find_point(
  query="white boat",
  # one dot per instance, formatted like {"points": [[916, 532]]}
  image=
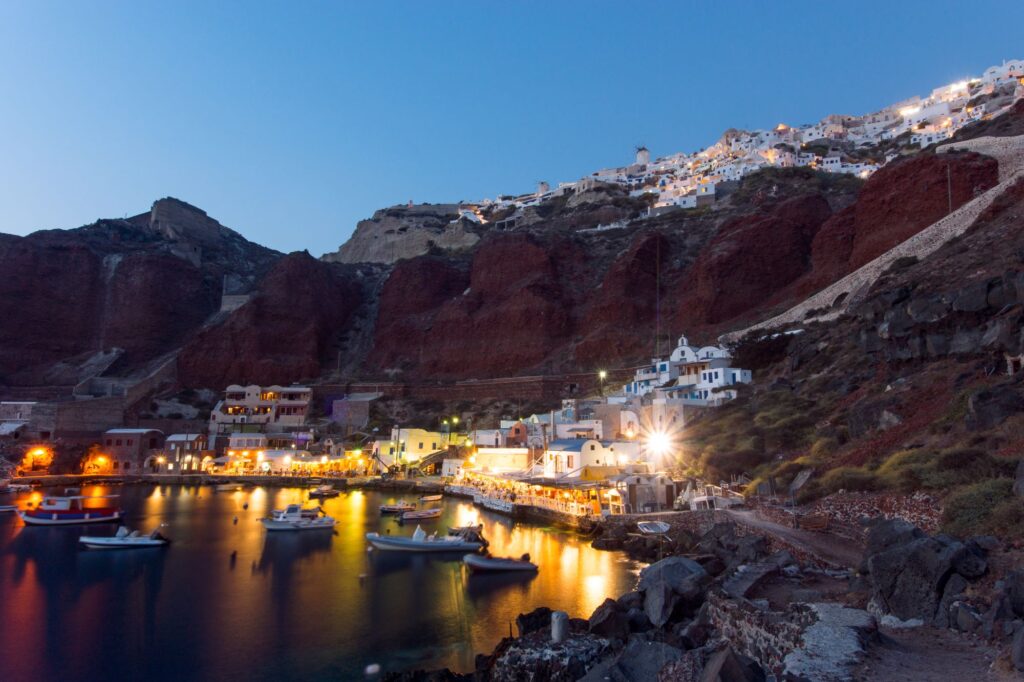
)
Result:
{"points": [[68, 510], [19, 487], [421, 542], [124, 540], [228, 487], [431, 498], [7, 508], [653, 527], [396, 507], [487, 564], [422, 515], [294, 517], [459, 530]]}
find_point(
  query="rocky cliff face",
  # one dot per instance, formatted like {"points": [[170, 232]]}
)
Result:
{"points": [[141, 285], [291, 330], [400, 232]]}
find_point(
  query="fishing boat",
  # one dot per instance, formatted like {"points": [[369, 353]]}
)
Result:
{"points": [[653, 527], [421, 515], [7, 508], [19, 487], [324, 491], [397, 508], [294, 517], [69, 509], [228, 487], [124, 539], [421, 542], [487, 564], [431, 498]]}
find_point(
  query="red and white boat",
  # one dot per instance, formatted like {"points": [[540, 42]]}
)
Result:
{"points": [[69, 510]]}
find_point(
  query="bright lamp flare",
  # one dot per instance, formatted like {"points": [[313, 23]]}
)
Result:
{"points": [[659, 443]]}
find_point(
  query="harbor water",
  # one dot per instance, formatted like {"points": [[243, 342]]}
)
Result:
{"points": [[228, 601]]}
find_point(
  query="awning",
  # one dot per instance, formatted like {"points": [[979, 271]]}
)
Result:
{"points": [[10, 428]]}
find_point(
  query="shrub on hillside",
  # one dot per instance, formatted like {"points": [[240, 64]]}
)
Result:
{"points": [[987, 507]]}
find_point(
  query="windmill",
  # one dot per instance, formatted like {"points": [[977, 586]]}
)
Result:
{"points": [[643, 155]]}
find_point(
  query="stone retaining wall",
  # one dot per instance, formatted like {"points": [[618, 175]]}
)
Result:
{"points": [[766, 636]]}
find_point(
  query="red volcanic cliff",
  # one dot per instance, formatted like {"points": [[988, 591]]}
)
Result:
{"points": [[896, 203], [750, 258], [288, 331]]}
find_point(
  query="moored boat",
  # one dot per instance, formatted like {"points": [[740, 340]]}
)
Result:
{"points": [[68, 510], [653, 527], [324, 491], [421, 515], [396, 507], [124, 539], [421, 542], [431, 498], [459, 530], [19, 487], [487, 564], [294, 517], [7, 508]]}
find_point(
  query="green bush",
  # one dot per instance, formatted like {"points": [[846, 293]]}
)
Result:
{"points": [[848, 478], [986, 507]]}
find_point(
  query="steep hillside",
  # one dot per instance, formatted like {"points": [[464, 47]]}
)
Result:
{"points": [[141, 285], [908, 391]]}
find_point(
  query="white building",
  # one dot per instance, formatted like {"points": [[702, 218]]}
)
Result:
{"points": [[569, 458], [271, 408]]}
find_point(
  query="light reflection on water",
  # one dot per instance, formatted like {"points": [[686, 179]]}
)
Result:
{"points": [[229, 601]]}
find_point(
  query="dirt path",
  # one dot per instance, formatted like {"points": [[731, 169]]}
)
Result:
{"points": [[929, 655], [830, 548]]}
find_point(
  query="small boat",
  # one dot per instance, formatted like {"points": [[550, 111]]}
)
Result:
{"points": [[397, 508], [431, 498], [460, 529], [421, 542], [653, 527], [19, 487], [487, 564], [7, 508], [294, 517], [124, 540], [421, 515], [324, 491], [68, 510], [228, 487]]}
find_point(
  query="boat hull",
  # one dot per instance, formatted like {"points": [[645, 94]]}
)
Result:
{"points": [[120, 543], [396, 544], [272, 525], [69, 518], [479, 564]]}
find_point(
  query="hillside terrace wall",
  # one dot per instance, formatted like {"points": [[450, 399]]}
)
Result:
{"points": [[766, 636]]}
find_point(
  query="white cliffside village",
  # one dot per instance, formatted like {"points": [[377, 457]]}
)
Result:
{"points": [[856, 145]]}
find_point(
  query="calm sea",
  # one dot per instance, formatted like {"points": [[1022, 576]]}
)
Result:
{"points": [[227, 601]]}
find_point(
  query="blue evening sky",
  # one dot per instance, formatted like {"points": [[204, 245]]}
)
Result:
{"points": [[291, 121]]}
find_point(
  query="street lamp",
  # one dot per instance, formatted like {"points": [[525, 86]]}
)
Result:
{"points": [[602, 375], [659, 443]]}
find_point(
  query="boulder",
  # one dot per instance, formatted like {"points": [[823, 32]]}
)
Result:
{"points": [[1014, 589], [673, 571], [887, 533], [641, 661], [955, 587], [638, 620], [907, 579], [970, 562], [1018, 483], [631, 600], [1017, 650], [725, 665], [538, 619], [609, 621], [963, 618], [989, 407], [659, 603]]}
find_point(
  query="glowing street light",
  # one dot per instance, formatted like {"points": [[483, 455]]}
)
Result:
{"points": [[659, 443]]}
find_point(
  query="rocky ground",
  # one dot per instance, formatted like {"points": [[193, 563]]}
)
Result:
{"points": [[724, 606]]}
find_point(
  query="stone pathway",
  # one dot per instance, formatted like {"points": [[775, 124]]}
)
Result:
{"points": [[832, 549]]}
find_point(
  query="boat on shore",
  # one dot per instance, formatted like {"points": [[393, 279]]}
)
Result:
{"points": [[124, 539], [69, 510], [421, 515], [487, 564], [397, 508], [294, 517], [421, 542], [653, 527], [431, 498], [324, 491]]}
